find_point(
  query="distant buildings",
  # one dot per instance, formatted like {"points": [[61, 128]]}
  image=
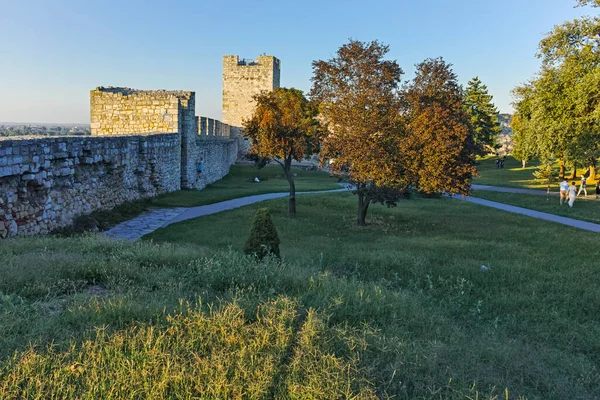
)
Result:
{"points": [[43, 130]]}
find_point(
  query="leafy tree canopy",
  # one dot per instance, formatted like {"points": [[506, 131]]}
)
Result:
{"points": [[440, 148], [284, 128], [359, 101], [386, 139], [593, 3], [559, 110]]}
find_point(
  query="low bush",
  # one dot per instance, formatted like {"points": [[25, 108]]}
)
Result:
{"points": [[263, 238]]}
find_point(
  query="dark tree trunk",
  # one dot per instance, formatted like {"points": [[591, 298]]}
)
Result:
{"points": [[573, 172], [561, 173], [592, 170], [363, 205], [288, 175]]}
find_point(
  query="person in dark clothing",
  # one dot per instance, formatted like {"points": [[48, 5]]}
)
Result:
{"points": [[200, 167]]}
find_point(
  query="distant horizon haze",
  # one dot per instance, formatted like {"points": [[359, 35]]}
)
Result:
{"points": [[61, 50], [65, 124]]}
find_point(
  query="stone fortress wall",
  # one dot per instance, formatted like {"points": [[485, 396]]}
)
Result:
{"points": [[143, 143], [241, 81], [115, 111], [46, 182]]}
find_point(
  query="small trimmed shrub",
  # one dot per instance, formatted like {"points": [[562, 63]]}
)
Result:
{"points": [[263, 236]]}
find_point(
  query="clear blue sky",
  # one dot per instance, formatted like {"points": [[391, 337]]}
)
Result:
{"points": [[53, 52]]}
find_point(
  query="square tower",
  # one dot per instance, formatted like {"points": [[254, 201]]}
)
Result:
{"points": [[241, 81]]}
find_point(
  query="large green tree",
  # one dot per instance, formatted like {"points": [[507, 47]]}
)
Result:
{"points": [[530, 137], [593, 3], [483, 116], [386, 139], [563, 101], [523, 149], [440, 148], [358, 93], [283, 128]]}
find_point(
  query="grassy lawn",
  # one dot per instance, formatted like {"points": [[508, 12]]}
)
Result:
{"points": [[239, 183], [585, 209], [90, 317], [512, 175], [397, 309], [519, 325]]}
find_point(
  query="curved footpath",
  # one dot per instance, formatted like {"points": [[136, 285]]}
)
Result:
{"points": [[511, 190], [576, 223], [152, 220]]}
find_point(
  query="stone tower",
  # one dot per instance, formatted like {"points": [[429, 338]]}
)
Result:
{"points": [[241, 81]]}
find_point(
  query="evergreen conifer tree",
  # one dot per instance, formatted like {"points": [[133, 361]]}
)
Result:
{"points": [[483, 115], [263, 236]]}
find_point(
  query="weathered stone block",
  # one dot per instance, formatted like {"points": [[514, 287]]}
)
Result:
{"points": [[13, 228]]}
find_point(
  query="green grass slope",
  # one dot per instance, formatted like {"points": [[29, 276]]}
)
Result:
{"points": [[397, 309]]}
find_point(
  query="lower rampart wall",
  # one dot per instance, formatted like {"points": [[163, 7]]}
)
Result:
{"points": [[215, 154], [46, 182]]}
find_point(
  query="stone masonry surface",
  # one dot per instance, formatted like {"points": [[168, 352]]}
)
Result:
{"points": [[241, 81], [117, 111], [46, 182], [143, 143]]}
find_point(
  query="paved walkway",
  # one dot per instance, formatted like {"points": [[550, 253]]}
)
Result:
{"points": [[144, 223], [152, 220], [512, 190], [588, 226], [200, 211]]}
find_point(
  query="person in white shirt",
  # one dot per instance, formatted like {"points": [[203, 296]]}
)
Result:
{"points": [[564, 187], [572, 194], [583, 186]]}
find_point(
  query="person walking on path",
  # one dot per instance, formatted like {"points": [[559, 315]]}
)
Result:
{"points": [[583, 186], [597, 190], [564, 187], [200, 167], [572, 194]]}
